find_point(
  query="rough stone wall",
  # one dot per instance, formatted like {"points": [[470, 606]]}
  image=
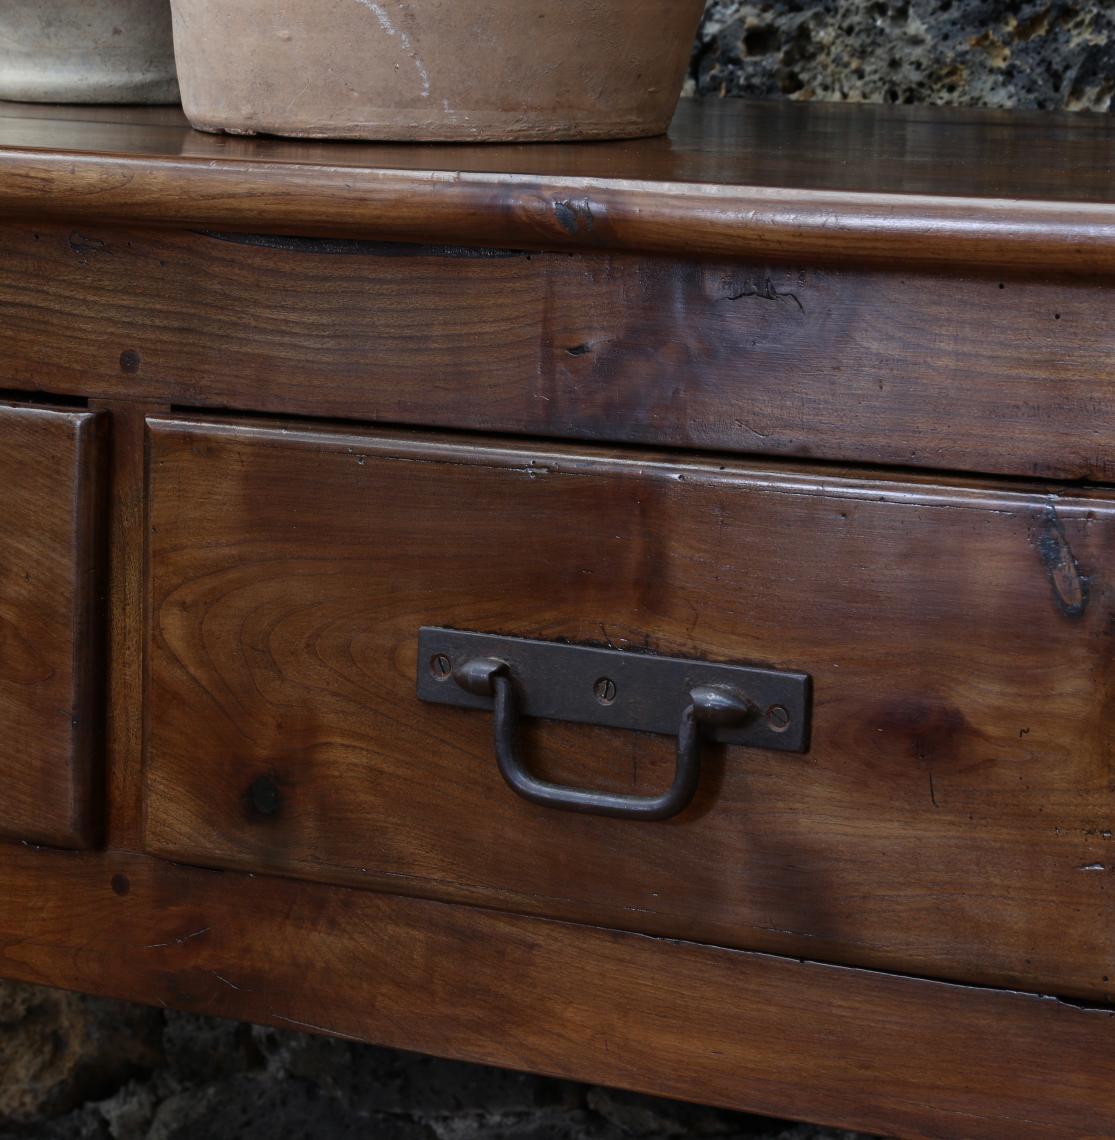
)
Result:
{"points": [[1044, 54], [76, 1068]]}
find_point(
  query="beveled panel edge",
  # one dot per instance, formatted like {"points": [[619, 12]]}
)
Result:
{"points": [[887, 483], [92, 644]]}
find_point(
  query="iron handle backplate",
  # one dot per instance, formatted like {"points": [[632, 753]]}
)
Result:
{"points": [[698, 701]]}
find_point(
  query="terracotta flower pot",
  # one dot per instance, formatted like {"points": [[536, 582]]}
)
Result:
{"points": [[434, 69], [87, 51]]}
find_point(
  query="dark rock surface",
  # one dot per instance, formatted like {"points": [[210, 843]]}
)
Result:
{"points": [[58, 1050], [74, 1068], [1045, 54]]}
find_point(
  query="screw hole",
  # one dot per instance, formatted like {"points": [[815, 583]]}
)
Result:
{"points": [[440, 666], [778, 718], [605, 691]]}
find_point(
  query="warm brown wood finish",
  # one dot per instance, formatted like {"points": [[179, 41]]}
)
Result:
{"points": [[886, 1054], [50, 604], [891, 287], [885, 185], [1012, 376], [958, 637]]}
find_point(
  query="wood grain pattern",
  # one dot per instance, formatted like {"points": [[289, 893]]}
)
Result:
{"points": [[886, 1054], [953, 819], [894, 286], [894, 186], [50, 612], [1013, 377]]}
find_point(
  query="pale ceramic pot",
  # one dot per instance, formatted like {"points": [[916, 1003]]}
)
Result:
{"points": [[438, 70], [87, 51]]}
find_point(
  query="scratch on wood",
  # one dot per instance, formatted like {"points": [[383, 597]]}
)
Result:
{"points": [[762, 289], [315, 1028], [743, 425], [178, 941]]}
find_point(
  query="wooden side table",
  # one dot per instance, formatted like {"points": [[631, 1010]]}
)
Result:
{"points": [[637, 612]]}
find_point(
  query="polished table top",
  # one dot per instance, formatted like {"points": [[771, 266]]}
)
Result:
{"points": [[778, 179]]}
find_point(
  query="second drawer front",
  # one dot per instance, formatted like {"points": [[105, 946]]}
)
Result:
{"points": [[952, 817]]}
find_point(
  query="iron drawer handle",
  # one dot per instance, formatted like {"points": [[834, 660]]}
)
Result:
{"points": [[709, 705]]}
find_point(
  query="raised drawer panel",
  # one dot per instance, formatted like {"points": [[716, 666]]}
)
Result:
{"points": [[952, 817], [50, 646]]}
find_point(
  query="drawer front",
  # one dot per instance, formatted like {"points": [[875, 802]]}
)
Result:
{"points": [[50, 645], [953, 815]]}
